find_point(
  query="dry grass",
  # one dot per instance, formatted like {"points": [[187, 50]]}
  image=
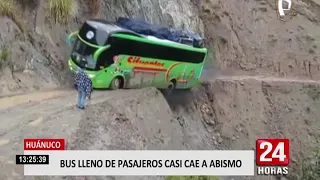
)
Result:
{"points": [[32, 4], [7, 8], [94, 7], [61, 10], [30, 1]]}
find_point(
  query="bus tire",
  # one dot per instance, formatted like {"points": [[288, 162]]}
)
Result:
{"points": [[116, 83]]}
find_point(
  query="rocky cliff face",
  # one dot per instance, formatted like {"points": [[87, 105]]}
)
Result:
{"points": [[23, 67], [249, 38], [172, 13], [38, 56]]}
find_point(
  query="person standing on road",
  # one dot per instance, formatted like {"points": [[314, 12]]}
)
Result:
{"points": [[84, 87]]}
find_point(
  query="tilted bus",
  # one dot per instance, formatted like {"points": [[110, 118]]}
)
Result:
{"points": [[115, 57]]}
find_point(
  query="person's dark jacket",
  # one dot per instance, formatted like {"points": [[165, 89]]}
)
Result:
{"points": [[83, 81]]}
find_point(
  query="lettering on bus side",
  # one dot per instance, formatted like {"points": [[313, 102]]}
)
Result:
{"points": [[138, 61]]}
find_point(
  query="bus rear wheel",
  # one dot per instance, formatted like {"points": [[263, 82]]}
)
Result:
{"points": [[170, 88], [116, 83]]}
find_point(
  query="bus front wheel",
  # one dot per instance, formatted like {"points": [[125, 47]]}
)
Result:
{"points": [[116, 83]]}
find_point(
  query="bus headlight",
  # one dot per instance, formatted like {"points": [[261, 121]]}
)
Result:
{"points": [[91, 75]]}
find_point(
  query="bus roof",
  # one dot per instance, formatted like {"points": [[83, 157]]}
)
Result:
{"points": [[152, 38], [115, 30], [109, 27]]}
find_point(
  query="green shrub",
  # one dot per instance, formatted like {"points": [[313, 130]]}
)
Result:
{"points": [[191, 178], [308, 168], [61, 10], [4, 56], [7, 8]]}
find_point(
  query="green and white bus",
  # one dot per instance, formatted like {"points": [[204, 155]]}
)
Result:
{"points": [[115, 57]]}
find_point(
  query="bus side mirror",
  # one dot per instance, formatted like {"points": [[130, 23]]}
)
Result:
{"points": [[71, 37]]}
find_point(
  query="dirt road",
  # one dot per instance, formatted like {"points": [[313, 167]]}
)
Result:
{"points": [[24, 116]]}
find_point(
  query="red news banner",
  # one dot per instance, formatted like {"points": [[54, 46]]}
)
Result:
{"points": [[272, 156], [40, 145], [44, 144]]}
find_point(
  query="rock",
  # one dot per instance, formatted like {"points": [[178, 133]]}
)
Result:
{"points": [[173, 13], [215, 142], [294, 160]]}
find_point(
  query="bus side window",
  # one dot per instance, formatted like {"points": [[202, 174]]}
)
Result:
{"points": [[136, 48], [106, 58]]}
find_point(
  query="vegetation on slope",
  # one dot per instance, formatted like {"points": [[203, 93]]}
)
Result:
{"points": [[4, 56], [191, 178], [7, 8], [61, 10], [309, 168], [94, 7]]}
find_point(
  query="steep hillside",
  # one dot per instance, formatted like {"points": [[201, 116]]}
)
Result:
{"points": [[113, 120], [245, 38], [261, 80], [222, 114], [248, 38], [38, 56], [238, 110]]}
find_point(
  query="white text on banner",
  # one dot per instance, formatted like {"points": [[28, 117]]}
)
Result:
{"points": [[144, 163]]}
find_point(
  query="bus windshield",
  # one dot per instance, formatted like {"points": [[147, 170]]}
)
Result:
{"points": [[82, 55]]}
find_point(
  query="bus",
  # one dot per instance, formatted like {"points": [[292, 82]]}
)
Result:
{"points": [[115, 57]]}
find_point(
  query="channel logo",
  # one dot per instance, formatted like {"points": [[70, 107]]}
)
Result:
{"points": [[285, 9]]}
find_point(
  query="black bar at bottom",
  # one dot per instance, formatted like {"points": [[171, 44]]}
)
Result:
{"points": [[32, 159]]}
